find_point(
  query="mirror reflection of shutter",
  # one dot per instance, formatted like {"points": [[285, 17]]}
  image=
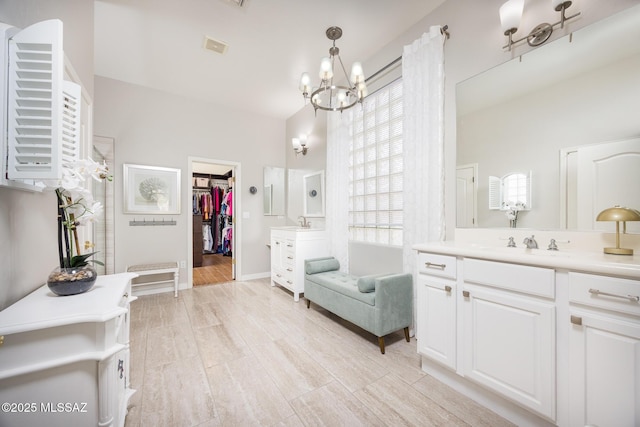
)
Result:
{"points": [[43, 112], [495, 193]]}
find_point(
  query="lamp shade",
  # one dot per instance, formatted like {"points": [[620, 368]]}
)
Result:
{"points": [[357, 73], [295, 142], [618, 213], [326, 70], [557, 4], [510, 15], [305, 83]]}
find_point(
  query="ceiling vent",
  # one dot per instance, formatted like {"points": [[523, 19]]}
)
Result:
{"points": [[215, 45]]}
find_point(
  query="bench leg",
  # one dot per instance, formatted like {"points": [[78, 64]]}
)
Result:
{"points": [[175, 284], [406, 334], [308, 303], [381, 344]]}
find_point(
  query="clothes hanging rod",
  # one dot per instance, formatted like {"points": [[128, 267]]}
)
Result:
{"points": [[443, 30]]}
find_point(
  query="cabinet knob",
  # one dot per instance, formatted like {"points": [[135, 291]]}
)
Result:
{"points": [[447, 288], [576, 320], [465, 294]]}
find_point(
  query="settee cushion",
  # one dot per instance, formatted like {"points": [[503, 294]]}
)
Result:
{"points": [[344, 284], [368, 283], [319, 265]]}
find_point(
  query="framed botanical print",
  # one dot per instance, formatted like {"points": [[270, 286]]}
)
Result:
{"points": [[151, 190]]}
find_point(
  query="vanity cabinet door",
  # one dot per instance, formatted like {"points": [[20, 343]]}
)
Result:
{"points": [[509, 346], [604, 371], [436, 313]]}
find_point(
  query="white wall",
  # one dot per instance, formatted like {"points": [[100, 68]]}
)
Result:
{"points": [[304, 122], [158, 129], [475, 45], [29, 248]]}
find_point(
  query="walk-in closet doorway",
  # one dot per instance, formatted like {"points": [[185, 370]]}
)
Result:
{"points": [[212, 226]]}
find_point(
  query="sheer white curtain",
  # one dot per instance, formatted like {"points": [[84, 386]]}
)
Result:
{"points": [[337, 176], [423, 130]]}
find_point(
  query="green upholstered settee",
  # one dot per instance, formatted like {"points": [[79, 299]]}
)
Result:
{"points": [[379, 304]]}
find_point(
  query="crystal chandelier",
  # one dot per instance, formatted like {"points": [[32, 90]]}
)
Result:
{"points": [[329, 96]]}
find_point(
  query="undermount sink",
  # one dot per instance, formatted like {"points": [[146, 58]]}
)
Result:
{"points": [[297, 228]]}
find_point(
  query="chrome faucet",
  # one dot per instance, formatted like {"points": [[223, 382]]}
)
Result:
{"points": [[303, 222], [530, 242]]}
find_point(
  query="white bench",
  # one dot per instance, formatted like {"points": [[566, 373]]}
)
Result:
{"points": [[158, 268]]}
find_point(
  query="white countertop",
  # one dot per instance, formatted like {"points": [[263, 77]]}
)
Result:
{"points": [[42, 308], [590, 262]]}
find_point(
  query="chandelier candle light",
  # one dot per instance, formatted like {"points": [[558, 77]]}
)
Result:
{"points": [[329, 96]]}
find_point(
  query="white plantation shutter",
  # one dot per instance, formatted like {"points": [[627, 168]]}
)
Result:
{"points": [[43, 111], [495, 192], [71, 122]]}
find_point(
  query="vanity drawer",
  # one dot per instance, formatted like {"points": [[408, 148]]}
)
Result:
{"points": [[526, 279], [611, 293], [437, 265]]}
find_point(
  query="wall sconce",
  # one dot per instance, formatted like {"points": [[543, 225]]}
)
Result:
{"points": [[300, 145], [617, 214], [511, 13]]}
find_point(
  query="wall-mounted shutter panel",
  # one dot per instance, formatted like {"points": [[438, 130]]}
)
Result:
{"points": [[70, 139], [36, 103], [495, 193]]}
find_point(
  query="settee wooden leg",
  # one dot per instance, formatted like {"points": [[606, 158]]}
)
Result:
{"points": [[308, 303], [381, 344], [406, 334]]}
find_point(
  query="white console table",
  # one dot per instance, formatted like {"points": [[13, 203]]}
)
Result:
{"points": [[65, 360]]}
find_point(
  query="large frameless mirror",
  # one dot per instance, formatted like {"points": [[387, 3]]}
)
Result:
{"points": [[547, 112], [273, 194], [313, 188]]}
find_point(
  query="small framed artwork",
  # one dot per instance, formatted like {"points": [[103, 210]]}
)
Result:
{"points": [[151, 190]]}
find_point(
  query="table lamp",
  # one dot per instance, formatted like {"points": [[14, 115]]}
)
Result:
{"points": [[617, 214]]}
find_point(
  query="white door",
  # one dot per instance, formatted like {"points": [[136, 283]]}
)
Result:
{"points": [[604, 376], [608, 175], [509, 346], [436, 314], [466, 191]]}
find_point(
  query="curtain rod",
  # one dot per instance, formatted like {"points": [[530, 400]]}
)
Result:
{"points": [[443, 30]]}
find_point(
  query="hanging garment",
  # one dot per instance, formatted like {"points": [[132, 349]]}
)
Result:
{"points": [[207, 240]]}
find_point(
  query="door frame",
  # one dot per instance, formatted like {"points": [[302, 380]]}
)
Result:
{"points": [[236, 258], [474, 207]]}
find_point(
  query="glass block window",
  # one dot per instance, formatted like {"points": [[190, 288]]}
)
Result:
{"points": [[375, 168]]}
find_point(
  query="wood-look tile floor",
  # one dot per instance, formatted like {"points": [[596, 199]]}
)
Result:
{"points": [[216, 268], [246, 354]]}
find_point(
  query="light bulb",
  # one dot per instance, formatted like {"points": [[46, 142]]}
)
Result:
{"points": [[362, 90]]}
